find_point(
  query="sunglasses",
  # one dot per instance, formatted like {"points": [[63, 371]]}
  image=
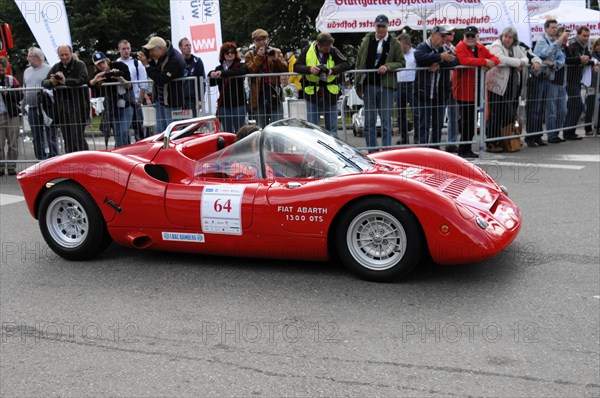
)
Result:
{"points": [[470, 35], [230, 53]]}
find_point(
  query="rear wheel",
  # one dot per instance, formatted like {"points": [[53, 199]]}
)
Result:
{"points": [[379, 239], [71, 222]]}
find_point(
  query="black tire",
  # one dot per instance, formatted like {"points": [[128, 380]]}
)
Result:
{"points": [[379, 239], [80, 237]]}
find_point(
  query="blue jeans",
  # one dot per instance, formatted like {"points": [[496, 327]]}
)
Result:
{"points": [[164, 116], [428, 113], [575, 108], [42, 134], [556, 108], [268, 112], [452, 109], [405, 96], [537, 91], [329, 112], [121, 122], [232, 118], [380, 100]]}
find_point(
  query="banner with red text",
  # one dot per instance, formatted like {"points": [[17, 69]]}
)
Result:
{"points": [[200, 22]]}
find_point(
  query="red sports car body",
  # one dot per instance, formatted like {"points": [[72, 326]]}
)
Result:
{"points": [[289, 191]]}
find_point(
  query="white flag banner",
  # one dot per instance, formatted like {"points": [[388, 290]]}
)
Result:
{"points": [[49, 24], [200, 22]]}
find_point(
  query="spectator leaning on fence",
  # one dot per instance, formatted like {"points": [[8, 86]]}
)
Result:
{"points": [[164, 65], [592, 94], [33, 77], [432, 90], [321, 63], [504, 83], [405, 94], [140, 86], [464, 88], [578, 57], [118, 98], [231, 105], [451, 106], [9, 118], [381, 51], [69, 79]]}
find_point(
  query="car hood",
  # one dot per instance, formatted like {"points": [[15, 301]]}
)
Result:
{"points": [[469, 191]]}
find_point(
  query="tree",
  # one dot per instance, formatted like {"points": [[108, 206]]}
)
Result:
{"points": [[96, 25]]}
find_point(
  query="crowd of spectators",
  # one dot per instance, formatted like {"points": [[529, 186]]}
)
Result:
{"points": [[436, 83]]}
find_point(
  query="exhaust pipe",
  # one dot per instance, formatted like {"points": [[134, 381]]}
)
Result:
{"points": [[139, 240]]}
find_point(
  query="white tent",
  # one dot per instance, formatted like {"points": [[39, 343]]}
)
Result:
{"points": [[568, 15], [490, 17]]}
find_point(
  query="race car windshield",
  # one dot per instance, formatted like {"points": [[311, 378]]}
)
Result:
{"points": [[323, 155], [290, 148]]}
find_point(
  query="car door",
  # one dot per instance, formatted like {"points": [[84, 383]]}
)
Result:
{"points": [[213, 205]]}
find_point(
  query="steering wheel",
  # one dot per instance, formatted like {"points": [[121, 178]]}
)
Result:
{"points": [[307, 166]]}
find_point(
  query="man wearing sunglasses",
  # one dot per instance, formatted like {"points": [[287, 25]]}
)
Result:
{"points": [[465, 89]]}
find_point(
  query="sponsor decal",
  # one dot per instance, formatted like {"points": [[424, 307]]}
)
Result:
{"points": [[203, 38], [183, 237]]}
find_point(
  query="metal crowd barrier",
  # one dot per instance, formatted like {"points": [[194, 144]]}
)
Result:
{"points": [[496, 118]]}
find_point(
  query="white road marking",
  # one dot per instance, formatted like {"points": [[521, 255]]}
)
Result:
{"points": [[530, 164], [597, 297], [6, 199], [580, 158]]}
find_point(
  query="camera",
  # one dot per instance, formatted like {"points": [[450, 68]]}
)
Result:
{"points": [[323, 73], [109, 74], [270, 51], [144, 51]]}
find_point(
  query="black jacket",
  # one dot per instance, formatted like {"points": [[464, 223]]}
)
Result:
{"points": [[71, 99], [111, 92], [573, 62], [231, 87], [171, 66]]}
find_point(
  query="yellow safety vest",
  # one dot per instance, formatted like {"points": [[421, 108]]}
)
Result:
{"points": [[313, 60]]}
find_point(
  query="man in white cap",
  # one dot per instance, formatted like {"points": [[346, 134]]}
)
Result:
{"points": [[164, 65]]}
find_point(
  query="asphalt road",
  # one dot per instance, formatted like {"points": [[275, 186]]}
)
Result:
{"points": [[137, 323]]}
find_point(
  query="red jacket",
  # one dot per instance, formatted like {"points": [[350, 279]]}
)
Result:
{"points": [[463, 80]]}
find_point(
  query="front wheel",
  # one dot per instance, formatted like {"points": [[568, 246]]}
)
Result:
{"points": [[379, 239], [71, 222]]}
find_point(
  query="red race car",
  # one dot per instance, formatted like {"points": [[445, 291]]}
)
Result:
{"points": [[289, 191]]}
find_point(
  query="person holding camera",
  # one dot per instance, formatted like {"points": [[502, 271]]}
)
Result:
{"points": [[68, 78], [265, 92], [164, 64], [321, 62], [111, 81]]}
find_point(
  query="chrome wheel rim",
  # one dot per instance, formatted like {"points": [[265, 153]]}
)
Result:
{"points": [[376, 240], [67, 222]]}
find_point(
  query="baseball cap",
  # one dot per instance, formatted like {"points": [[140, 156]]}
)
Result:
{"points": [[259, 33], [439, 29], [155, 42], [471, 29], [99, 57], [449, 28], [382, 20]]}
